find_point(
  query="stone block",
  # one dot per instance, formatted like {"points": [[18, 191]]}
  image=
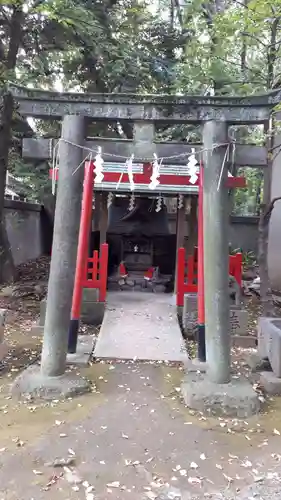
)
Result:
{"points": [[238, 316], [189, 314], [238, 320], [92, 313], [245, 341], [269, 342], [263, 324], [270, 383], [235, 399], [256, 363], [90, 295]]}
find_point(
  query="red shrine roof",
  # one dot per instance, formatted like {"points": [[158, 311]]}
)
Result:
{"points": [[174, 179]]}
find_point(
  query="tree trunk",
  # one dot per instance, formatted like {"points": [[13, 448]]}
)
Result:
{"points": [[7, 268]]}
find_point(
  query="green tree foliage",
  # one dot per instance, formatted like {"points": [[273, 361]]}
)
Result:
{"points": [[139, 46]]}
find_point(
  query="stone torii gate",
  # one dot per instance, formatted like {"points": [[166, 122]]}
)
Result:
{"points": [[215, 115]]}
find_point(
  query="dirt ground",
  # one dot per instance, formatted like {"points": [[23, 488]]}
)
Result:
{"points": [[131, 437]]}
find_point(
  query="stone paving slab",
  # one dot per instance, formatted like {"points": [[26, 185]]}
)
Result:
{"points": [[140, 326]]}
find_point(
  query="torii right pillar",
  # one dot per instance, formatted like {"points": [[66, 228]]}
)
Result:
{"points": [[215, 215]]}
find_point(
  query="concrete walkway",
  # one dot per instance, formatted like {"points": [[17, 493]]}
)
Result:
{"points": [[141, 326]]}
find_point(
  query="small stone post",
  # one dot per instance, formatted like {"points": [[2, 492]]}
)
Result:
{"points": [[64, 250], [215, 213]]}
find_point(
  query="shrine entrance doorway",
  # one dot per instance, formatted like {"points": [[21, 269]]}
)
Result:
{"points": [[141, 239]]}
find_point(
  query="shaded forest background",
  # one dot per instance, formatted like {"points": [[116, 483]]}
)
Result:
{"points": [[214, 47]]}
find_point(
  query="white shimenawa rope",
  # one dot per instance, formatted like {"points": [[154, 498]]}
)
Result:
{"points": [[99, 162], [144, 160], [222, 167]]}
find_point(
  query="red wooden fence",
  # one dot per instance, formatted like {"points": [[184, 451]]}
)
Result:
{"points": [[187, 273], [96, 271]]}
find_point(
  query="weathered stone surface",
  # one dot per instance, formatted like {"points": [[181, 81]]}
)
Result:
{"points": [[43, 306], [189, 313], [238, 317], [44, 104], [83, 352], [3, 345], [262, 336], [92, 313], [32, 382], [235, 399], [244, 341], [269, 342], [3, 350], [37, 330], [115, 150], [3, 315], [90, 295], [256, 363], [1, 333], [194, 365], [270, 383]]}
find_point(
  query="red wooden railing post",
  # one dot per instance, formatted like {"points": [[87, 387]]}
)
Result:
{"points": [[201, 349], [82, 255], [180, 276], [190, 270]]}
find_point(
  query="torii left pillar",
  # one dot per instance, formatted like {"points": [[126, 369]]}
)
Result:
{"points": [[64, 250], [215, 214]]}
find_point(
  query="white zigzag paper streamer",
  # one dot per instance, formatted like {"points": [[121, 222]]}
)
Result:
{"points": [[129, 165], [154, 179], [193, 167], [99, 167]]}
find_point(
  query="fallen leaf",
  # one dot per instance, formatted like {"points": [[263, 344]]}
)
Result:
{"points": [[194, 480], [61, 462], [193, 465], [71, 476], [151, 495], [115, 484], [246, 464]]}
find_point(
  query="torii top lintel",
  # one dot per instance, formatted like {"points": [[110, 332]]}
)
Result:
{"points": [[161, 108]]}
